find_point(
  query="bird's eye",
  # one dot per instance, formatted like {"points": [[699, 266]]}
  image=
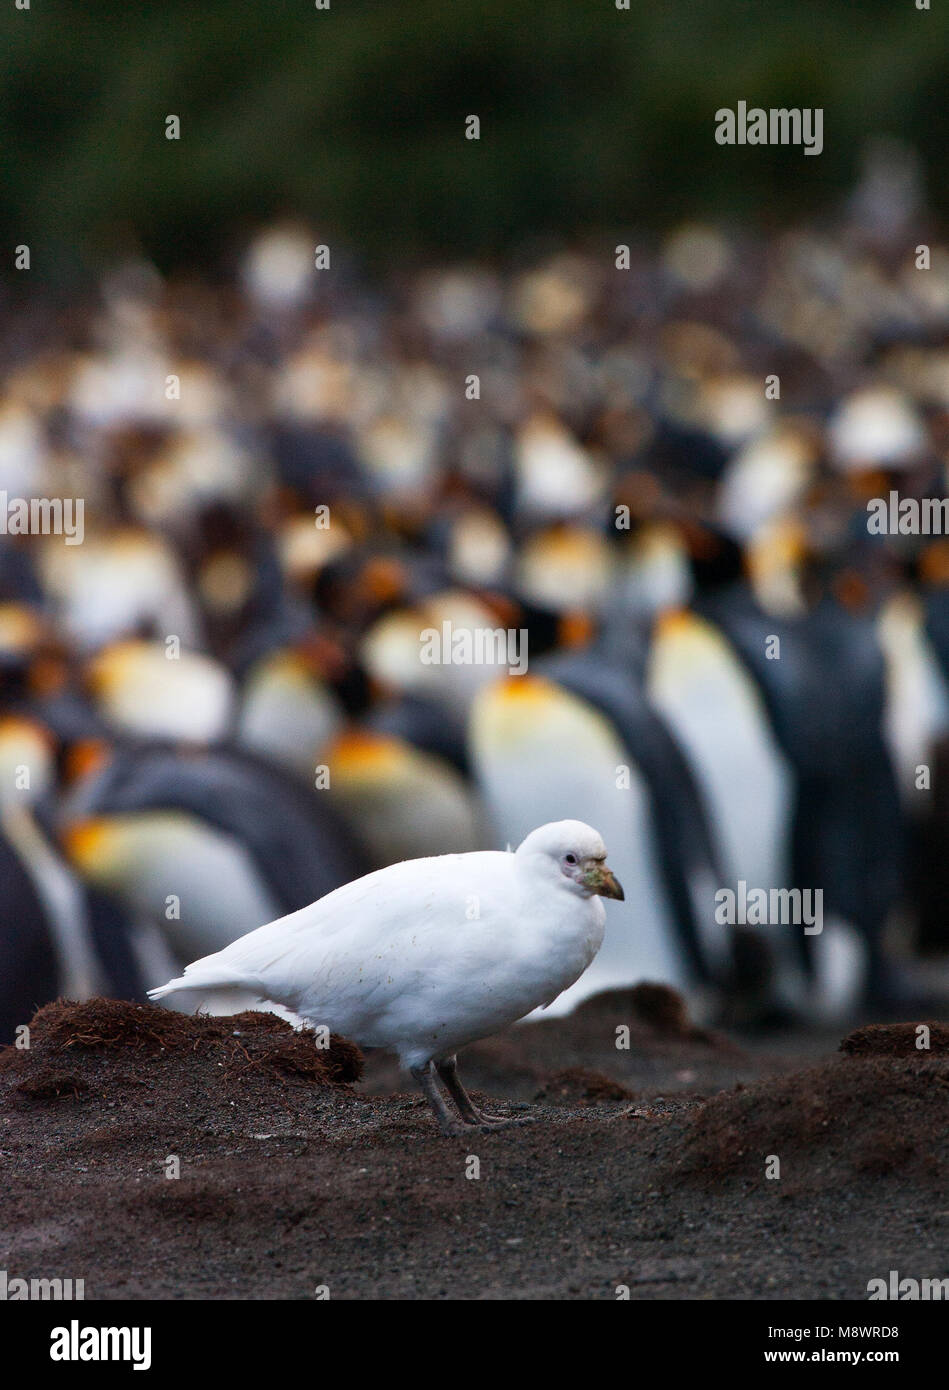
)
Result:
{"points": [[571, 858]]}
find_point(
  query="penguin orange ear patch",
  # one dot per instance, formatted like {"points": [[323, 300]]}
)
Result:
{"points": [[850, 590], [363, 751], [85, 842], [47, 675], [15, 726], [85, 757], [576, 629], [674, 622], [524, 687], [934, 565]]}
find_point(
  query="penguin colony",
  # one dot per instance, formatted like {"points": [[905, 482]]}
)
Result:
{"points": [[248, 686]]}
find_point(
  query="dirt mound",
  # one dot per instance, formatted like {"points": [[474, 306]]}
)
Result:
{"points": [[898, 1040], [582, 1086], [659, 1009], [850, 1115], [75, 1049]]}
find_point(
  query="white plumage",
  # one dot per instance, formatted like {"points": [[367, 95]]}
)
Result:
{"points": [[425, 956]]}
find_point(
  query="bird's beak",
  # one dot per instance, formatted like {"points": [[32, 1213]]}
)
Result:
{"points": [[604, 882]]}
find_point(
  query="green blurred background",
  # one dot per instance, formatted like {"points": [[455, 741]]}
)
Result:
{"points": [[592, 119]]}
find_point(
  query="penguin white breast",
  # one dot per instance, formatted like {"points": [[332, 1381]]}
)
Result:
{"points": [[713, 706], [542, 754]]}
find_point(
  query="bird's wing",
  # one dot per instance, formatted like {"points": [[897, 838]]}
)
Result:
{"points": [[398, 916]]}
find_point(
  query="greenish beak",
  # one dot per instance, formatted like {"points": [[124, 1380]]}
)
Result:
{"points": [[603, 881]]}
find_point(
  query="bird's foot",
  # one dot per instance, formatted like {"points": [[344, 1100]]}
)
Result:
{"points": [[476, 1116], [458, 1129], [504, 1121]]}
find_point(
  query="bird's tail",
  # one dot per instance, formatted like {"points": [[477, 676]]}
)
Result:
{"points": [[205, 975], [217, 990], [159, 993]]}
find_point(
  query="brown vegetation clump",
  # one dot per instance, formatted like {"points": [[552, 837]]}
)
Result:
{"points": [[138, 1035], [51, 1085]]}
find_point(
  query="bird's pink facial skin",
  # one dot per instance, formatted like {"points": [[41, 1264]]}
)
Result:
{"points": [[593, 875]]}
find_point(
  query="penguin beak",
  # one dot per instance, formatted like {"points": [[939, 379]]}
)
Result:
{"points": [[603, 882]]}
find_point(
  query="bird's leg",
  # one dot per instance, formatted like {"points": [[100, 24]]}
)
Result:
{"points": [[447, 1123], [447, 1069]]}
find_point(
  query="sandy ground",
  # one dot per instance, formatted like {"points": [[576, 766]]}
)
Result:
{"points": [[644, 1167]]}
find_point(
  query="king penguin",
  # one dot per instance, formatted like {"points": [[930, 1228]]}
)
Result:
{"points": [[205, 844], [59, 936], [399, 801], [579, 740]]}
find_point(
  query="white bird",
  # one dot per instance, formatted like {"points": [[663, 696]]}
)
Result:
{"points": [[428, 955]]}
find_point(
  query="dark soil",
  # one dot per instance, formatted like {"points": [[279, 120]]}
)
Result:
{"points": [[647, 1165]]}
